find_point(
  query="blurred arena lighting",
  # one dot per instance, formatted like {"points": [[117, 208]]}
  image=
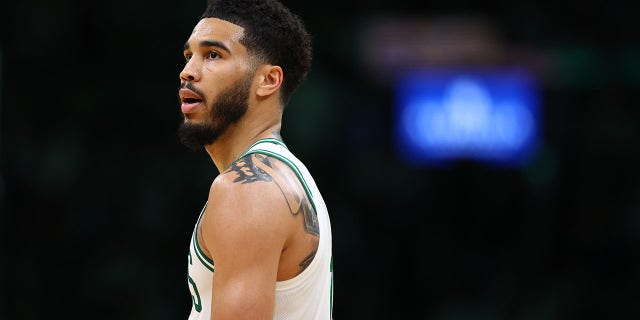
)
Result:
{"points": [[461, 93], [393, 45], [489, 115]]}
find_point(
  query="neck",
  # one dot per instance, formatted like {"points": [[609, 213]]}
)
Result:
{"points": [[239, 136]]}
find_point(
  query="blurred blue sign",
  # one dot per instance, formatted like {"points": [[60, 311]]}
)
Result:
{"points": [[485, 115]]}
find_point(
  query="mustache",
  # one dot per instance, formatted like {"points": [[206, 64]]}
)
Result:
{"points": [[190, 86]]}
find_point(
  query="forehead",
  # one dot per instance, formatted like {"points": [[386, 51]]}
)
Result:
{"points": [[217, 30]]}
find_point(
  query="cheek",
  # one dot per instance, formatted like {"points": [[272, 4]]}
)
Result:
{"points": [[209, 88], [220, 66], [214, 79]]}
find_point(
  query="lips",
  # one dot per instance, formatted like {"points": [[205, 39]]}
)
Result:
{"points": [[190, 100]]}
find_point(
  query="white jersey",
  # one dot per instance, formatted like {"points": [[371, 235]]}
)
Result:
{"points": [[307, 296]]}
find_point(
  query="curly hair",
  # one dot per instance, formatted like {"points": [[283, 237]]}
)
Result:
{"points": [[273, 35]]}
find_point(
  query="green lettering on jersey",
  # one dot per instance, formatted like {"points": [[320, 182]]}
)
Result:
{"points": [[196, 304]]}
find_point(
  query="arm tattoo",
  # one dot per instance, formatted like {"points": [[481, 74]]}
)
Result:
{"points": [[265, 169]]}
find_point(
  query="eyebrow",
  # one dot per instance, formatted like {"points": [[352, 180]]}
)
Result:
{"points": [[209, 43]]}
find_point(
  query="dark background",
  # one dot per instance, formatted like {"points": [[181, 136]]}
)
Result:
{"points": [[98, 199]]}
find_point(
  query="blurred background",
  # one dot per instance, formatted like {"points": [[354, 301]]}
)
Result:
{"points": [[480, 160]]}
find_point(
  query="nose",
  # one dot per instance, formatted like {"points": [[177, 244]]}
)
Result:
{"points": [[190, 72]]}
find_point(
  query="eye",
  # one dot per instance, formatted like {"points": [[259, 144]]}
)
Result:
{"points": [[188, 56], [213, 55]]}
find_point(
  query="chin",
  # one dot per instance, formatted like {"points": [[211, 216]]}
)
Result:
{"points": [[190, 118]]}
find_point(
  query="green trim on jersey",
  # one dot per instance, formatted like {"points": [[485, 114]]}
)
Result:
{"points": [[269, 140], [206, 261], [331, 290]]}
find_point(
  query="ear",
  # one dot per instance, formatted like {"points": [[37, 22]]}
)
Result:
{"points": [[270, 80]]}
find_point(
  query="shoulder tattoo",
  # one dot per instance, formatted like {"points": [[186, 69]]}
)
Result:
{"points": [[259, 167], [247, 171]]}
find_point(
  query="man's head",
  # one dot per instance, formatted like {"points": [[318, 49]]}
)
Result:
{"points": [[240, 52], [273, 35]]}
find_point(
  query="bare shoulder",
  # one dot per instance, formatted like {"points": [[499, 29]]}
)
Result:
{"points": [[248, 181], [291, 191], [245, 205], [259, 204]]}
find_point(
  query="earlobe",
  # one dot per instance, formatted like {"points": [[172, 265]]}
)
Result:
{"points": [[270, 80]]}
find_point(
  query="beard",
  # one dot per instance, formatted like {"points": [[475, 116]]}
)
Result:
{"points": [[231, 104]]}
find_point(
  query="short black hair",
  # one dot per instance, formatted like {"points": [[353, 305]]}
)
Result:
{"points": [[273, 34]]}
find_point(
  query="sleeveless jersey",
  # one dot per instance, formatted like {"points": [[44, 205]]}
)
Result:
{"points": [[309, 295]]}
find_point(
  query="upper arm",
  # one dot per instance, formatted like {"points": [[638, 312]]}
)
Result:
{"points": [[245, 231]]}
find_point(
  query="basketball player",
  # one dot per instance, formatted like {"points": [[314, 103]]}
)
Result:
{"points": [[261, 248]]}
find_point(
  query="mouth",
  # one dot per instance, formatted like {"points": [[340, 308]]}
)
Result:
{"points": [[190, 100]]}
